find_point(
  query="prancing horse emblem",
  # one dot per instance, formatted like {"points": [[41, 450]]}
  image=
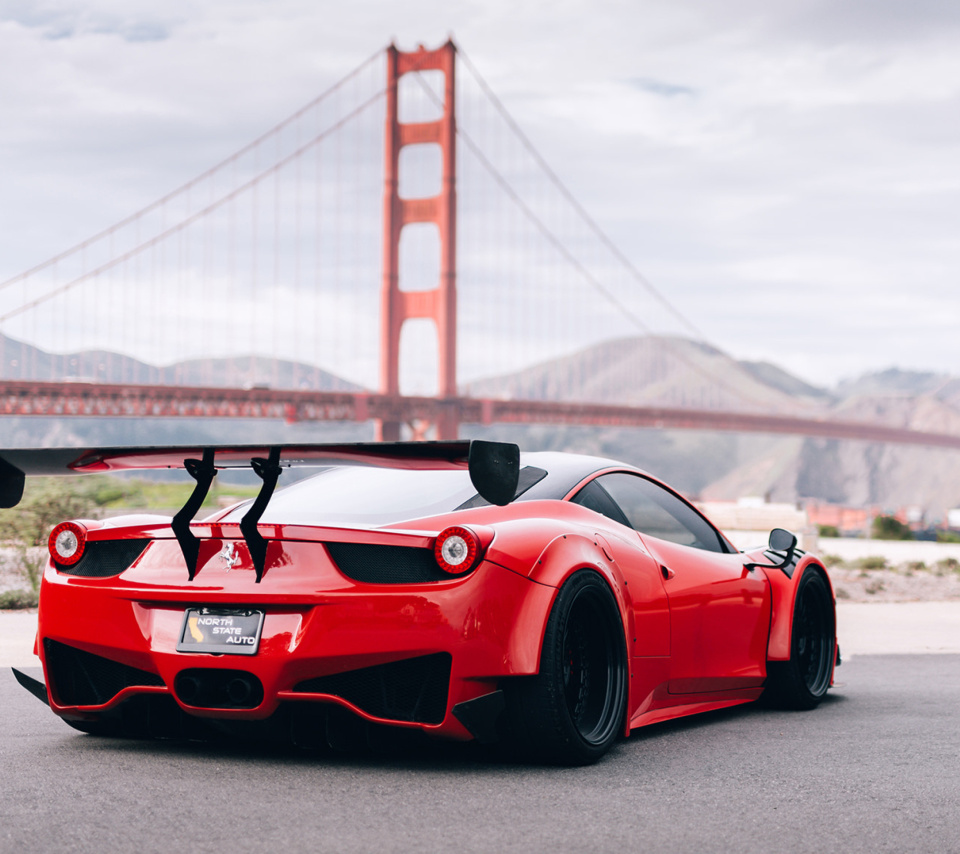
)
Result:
{"points": [[229, 555]]}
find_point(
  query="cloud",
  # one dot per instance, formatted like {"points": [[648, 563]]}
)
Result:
{"points": [[658, 87], [56, 21], [888, 22], [755, 160]]}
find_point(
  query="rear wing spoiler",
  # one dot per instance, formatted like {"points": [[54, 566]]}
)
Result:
{"points": [[494, 469]]}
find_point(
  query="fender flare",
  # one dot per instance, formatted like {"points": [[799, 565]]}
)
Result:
{"points": [[783, 590], [564, 556]]}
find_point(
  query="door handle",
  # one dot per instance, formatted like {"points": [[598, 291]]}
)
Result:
{"points": [[667, 573]]}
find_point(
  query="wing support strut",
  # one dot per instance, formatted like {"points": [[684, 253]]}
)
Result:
{"points": [[203, 472], [268, 470]]}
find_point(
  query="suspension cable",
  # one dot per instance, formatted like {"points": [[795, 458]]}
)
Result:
{"points": [[590, 222], [276, 129], [192, 218]]}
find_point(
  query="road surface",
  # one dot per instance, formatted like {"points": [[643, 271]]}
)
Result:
{"points": [[875, 769]]}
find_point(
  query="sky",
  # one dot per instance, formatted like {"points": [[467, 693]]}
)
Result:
{"points": [[786, 174]]}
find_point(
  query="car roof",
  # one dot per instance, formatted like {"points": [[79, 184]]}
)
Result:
{"points": [[564, 471]]}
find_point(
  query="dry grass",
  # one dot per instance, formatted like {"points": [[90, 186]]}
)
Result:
{"points": [[872, 580]]}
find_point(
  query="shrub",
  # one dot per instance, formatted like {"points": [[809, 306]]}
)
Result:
{"points": [[46, 502], [828, 531], [890, 528], [872, 562], [14, 599], [830, 561]]}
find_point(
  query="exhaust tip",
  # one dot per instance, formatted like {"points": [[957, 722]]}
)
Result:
{"points": [[208, 688], [239, 690], [188, 689]]}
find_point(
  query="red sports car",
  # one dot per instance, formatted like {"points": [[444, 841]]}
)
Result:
{"points": [[549, 600]]}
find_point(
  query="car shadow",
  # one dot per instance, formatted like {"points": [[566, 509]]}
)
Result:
{"points": [[389, 748]]}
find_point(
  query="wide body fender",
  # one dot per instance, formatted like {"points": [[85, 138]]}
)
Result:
{"points": [[783, 589], [562, 557]]}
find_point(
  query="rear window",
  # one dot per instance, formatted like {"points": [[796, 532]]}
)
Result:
{"points": [[361, 495]]}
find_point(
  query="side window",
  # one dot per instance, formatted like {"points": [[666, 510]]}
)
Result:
{"points": [[595, 498], [653, 510]]}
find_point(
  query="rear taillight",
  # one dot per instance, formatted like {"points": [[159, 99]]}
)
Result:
{"points": [[457, 550], [67, 542]]}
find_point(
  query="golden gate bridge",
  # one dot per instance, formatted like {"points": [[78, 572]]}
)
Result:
{"points": [[351, 264]]}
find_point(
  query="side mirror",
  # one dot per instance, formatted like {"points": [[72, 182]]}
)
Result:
{"points": [[781, 540]]}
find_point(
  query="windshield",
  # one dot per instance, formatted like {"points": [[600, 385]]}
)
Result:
{"points": [[358, 495]]}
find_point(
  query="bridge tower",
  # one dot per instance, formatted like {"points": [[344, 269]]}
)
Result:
{"points": [[440, 303]]}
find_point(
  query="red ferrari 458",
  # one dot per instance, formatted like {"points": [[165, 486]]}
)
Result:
{"points": [[549, 601]]}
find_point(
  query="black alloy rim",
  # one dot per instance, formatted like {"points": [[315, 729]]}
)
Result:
{"points": [[592, 669], [814, 639]]}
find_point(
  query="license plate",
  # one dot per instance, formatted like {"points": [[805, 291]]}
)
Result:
{"points": [[221, 630]]}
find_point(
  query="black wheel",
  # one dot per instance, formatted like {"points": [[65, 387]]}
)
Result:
{"points": [[571, 712], [802, 682]]}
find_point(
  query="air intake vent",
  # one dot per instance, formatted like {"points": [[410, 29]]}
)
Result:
{"points": [[81, 678], [105, 558], [373, 564], [413, 690]]}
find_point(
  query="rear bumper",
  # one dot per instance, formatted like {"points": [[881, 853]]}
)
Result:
{"points": [[404, 655]]}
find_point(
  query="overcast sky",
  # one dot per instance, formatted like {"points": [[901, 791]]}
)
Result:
{"points": [[787, 173]]}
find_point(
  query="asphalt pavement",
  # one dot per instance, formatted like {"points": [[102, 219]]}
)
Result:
{"points": [[875, 769]]}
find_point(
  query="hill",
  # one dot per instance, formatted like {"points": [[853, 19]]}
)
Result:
{"points": [[657, 371], [24, 361], [677, 372]]}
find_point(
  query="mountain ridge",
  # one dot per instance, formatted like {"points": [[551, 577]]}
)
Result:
{"points": [[677, 372], [640, 371]]}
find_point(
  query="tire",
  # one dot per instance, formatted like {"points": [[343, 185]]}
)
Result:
{"points": [[572, 711], [802, 682]]}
